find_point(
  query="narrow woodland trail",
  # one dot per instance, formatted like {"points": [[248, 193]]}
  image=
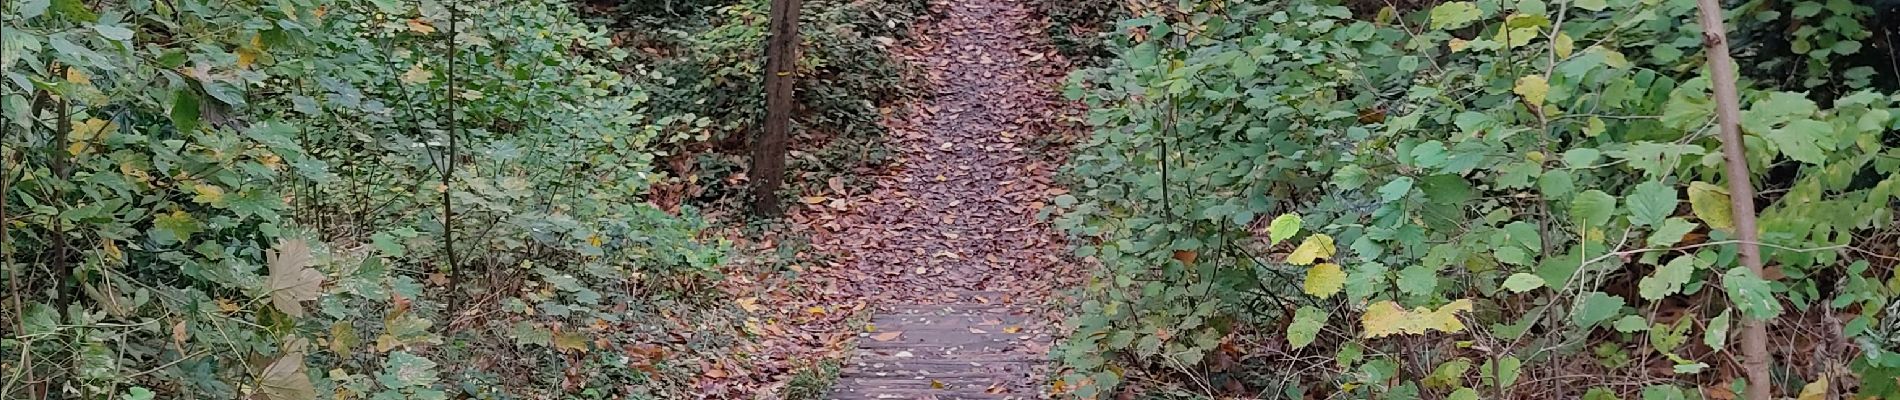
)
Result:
{"points": [[947, 246]]}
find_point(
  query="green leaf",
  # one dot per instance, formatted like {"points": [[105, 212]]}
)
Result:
{"points": [[1592, 5], [1463, 394], [74, 10], [1804, 140], [1507, 370], [175, 227], [1668, 279], [1711, 204], [185, 112], [1454, 15], [32, 8], [1596, 307], [1306, 325], [1523, 282], [1631, 324], [1418, 280], [1593, 208], [1651, 202], [1396, 189], [1750, 294], [1716, 336], [1581, 157], [113, 32], [1671, 232], [1283, 228]]}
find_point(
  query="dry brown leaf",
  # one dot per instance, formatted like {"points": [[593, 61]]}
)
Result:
{"points": [[292, 281], [887, 336]]}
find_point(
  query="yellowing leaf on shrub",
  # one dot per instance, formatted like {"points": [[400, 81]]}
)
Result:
{"points": [[574, 341], [1386, 318], [1324, 280], [292, 281], [1710, 203], [1534, 88], [207, 193], [1315, 247], [1563, 45]]}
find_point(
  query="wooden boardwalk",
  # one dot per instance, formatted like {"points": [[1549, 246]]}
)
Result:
{"points": [[970, 350]]}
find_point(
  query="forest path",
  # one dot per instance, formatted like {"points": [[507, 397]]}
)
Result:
{"points": [[947, 245]]}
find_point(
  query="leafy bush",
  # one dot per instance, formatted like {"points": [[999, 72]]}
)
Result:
{"points": [[1457, 201], [174, 160]]}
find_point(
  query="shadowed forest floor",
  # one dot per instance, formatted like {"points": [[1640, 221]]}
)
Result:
{"points": [[947, 246]]}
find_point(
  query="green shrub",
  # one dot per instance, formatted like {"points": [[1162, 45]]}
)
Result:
{"points": [[1436, 203]]}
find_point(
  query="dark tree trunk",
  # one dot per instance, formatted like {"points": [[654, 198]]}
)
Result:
{"points": [[768, 152]]}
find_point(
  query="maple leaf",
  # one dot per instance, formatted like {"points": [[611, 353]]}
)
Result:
{"points": [[284, 379], [291, 279]]}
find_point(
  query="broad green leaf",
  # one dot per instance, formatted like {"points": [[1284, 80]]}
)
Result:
{"points": [[1668, 278], [1593, 208], [28, 9], [1523, 282], [1396, 189], [1750, 294], [1316, 246], [1581, 157], [1671, 232], [1418, 280], [1463, 394], [1631, 324], [1324, 280], [1711, 205], [1596, 307], [1804, 140], [1507, 368], [1306, 325], [175, 227], [1283, 228], [185, 113], [1592, 5], [1651, 202]]}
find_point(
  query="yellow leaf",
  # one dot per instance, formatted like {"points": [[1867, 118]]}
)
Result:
{"points": [[1534, 88], [936, 384], [75, 75], [749, 305], [594, 239], [1386, 318], [1563, 45], [1816, 390], [1314, 247], [1324, 280], [1711, 204], [112, 250], [1012, 329], [417, 25], [1458, 45], [417, 75], [570, 341], [813, 199], [246, 57], [207, 194], [816, 310], [1383, 318]]}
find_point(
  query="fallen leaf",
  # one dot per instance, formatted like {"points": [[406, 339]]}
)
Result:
{"points": [[292, 281], [887, 336]]}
